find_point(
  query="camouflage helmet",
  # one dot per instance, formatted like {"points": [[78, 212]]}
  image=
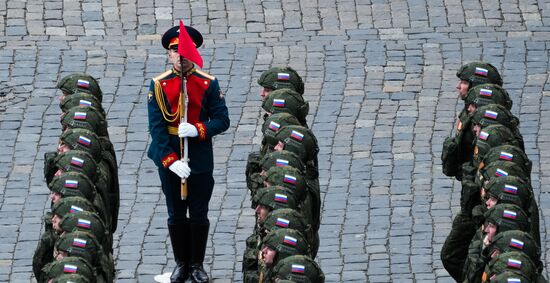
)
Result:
{"points": [[85, 221], [479, 73], [287, 101], [286, 242], [273, 123], [515, 240], [288, 177], [285, 218], [510, 277], [70, 278], [80, 244], [508, 217], [77, 161], [281, 158], [281, 78], [80, 82], [489, 137], [88, 118], [486, 94], [298, 268], [299, 140], [275, 197], [81, 99], [494, 114], [73, 184], [515, 262], [499, 169], [85, 140], [68, 205], [69, 265], [510, 189], [507, 153]]}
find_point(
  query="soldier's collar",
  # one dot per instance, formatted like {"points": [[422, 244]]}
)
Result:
{"points": [[178, 73]]}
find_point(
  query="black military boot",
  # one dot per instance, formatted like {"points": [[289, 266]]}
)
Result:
{"points": [[181, 240], [199, 236]]}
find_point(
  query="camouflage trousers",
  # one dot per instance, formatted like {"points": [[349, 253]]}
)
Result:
{"points": [[455, 248]]}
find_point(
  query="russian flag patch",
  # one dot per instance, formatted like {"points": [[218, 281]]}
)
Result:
{"points": [[297, 268], [83, 83], [297, 135], [485, 92], [501, 173], [281, 222], [509, 214], [514, 263], [490, 114], [289, 179], [483, 135], [84, 141], [283, 76], [80, 115], [85, 103], [510, 189], [71, 184], [77, 161], [281, 162], [290, 241], [516, 243], [69, 268], [278, 102], [274, 126], [281, 198], [83, 223], [506, 156], [81, 243], [481, 72]]}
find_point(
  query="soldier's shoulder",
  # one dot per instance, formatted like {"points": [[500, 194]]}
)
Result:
{"points": [[162, 76], [203, 74]]}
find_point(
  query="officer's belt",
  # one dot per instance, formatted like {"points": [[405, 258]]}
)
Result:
{"points": [[173, 130]]}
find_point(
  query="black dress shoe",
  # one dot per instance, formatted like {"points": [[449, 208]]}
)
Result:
{"points": [[198, 275], [180, 273]]}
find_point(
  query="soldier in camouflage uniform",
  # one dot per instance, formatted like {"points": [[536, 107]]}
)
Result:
{"points": [[280, 78], [298, 268], [83, 99], [67, 265], [269, 129], [279, 245], [43, 253], [286, 101], [266, 200], [70, 278], [516, 262], [87, 222], [84, 245], [85, 140], [79, 83]]}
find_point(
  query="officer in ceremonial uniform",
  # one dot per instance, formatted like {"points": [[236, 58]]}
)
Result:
{"points": [[207, 116]]}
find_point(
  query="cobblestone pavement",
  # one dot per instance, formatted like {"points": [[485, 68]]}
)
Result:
{"points": [[380, 79]]}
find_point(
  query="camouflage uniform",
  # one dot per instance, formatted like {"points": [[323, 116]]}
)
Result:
{"points": [[515, 262], [287, 101], [298, 268], [273, 197], [85, 140], [78, 82], [282, 78], [80, 98], [91, 223], [70, 278], [84, 245], [67, 265], [286, 243], [269, 129]]}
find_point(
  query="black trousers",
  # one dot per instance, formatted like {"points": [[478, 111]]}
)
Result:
{"points": [[200, 187]]}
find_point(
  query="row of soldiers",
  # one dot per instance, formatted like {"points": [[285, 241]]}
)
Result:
{"points": [[284, 187], [76, 245], [495, 237]]}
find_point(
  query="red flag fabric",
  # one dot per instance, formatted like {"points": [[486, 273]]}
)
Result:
{"points": [[186, 47]]}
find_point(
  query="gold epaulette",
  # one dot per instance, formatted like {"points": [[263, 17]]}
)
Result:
{"points": [[162, 76], [206, 75]]}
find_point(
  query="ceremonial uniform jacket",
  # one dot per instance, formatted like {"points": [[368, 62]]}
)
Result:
{"points": [[206, 110]]}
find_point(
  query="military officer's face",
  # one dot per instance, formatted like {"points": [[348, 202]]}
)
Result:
{"points": [[174, 58], [477, 129], [55, 196], [267, 255], [58, 172], [62, 96], [62, 147], [280, 146], [490, 230], [491, 202], [59, 255], [56, 222], [265, 93], [261, 213], [462, 88], [471, 108]]}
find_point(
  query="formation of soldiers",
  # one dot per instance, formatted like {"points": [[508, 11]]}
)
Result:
{"points": [[76, 245], [284, 187], [495, 237]]}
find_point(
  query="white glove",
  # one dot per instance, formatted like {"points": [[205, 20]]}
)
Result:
{"points": [[180, 168], [187, 130]]}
